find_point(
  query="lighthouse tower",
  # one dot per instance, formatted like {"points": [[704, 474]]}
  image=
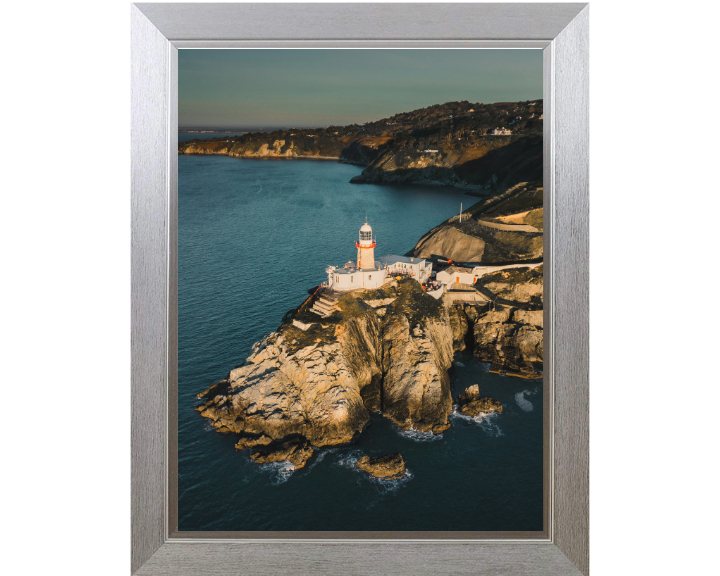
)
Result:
{"points": [[366, 247]]}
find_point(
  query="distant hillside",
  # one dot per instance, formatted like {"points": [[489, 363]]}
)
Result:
{"points": [[452, 144]]}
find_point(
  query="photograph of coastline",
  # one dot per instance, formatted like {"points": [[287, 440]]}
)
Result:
{"points": [[360, 290]]}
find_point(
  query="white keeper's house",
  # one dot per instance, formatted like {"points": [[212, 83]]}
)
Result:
{"points": [[366, 272], [413, 267]]}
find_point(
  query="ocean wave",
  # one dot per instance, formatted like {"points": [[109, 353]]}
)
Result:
{"points": [[386, 486], [418, 436], [458, 363], [485, 420], [350, 459], [522, 402], [321, 453], [280, 472]]}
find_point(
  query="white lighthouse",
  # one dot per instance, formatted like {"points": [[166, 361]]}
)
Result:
{"points": [[365, 272], [365, 247]]}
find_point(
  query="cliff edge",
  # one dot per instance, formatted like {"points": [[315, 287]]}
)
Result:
{"points": [[385, 350]]}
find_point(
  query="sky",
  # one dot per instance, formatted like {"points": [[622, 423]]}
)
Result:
{"points": [[248, 88]]}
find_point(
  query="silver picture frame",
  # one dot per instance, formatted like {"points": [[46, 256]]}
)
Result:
{"points": [[157, 32]]}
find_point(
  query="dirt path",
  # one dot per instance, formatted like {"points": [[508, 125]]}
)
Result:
{"points": [[485, 270], [508, 227]]}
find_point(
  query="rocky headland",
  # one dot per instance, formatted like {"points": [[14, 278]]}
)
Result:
{"points": [[385, 350], [488, 147], [315, 381]]}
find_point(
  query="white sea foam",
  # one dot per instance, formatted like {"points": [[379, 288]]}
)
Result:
{"points": [[385, 486], [350, 461], [418, 436], [522, 402], [280, 471], [459, 364], [321, 453], [485, 420]]}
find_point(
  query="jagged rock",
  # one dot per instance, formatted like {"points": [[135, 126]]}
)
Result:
{"points": [[215, 386], [253, 441], [386, 467], [320, 384], [517, 285], [296, 451], [311, 390], [416, 386], [471, 404], [469, 394], [458, 324], [510, 339]]}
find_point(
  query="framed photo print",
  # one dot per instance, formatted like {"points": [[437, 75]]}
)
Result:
{"points": [[360, 288]]}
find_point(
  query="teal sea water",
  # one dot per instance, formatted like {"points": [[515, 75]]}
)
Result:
{"points": [[254, 236]]}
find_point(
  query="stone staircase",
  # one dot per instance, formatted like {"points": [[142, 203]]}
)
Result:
{"points": [[324, 305]]}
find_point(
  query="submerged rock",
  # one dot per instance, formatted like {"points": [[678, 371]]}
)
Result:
{"points": [[471, 404], [386, 467]]}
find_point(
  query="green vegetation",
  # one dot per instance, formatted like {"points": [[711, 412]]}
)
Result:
{"points": [[410, 301], [520, 198], [451, 143]]}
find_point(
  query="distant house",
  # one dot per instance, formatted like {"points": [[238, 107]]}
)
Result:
{"points": [[471, 110], [430, 151], [501, 132]]}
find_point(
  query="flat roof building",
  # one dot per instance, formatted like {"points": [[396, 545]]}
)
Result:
{"points": [[417, 268]]}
